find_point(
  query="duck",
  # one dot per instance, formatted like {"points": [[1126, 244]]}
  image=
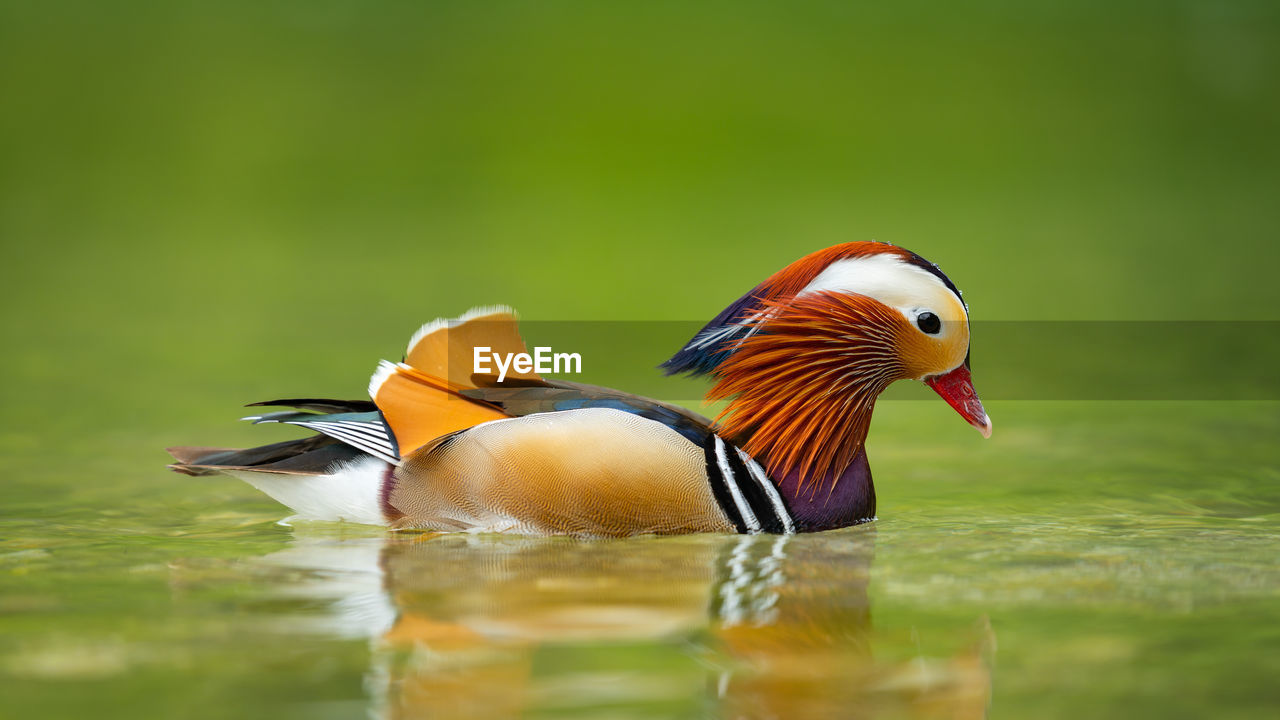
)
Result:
{"points": [[797, 362]]}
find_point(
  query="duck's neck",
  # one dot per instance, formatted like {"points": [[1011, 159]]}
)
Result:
{"points": [[826, 505], [801, 393]]}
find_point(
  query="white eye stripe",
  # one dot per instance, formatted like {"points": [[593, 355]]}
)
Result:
{"points": [[910, 289]]}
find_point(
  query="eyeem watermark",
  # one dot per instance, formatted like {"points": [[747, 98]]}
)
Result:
{"points": [[1129, 360], [543, 360]]}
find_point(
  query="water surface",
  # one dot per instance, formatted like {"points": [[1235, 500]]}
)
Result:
{"points": [[1040, 573]]}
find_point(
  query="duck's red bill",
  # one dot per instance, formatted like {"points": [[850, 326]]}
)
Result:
{"points": [[956, 387]]}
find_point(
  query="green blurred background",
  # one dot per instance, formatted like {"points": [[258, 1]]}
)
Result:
{"points": [[206, 204], [235, 200]]}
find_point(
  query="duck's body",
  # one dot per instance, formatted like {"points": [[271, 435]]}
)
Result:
{"points": [[801, 359]]}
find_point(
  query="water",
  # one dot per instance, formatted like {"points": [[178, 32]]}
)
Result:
{"points": [[1100, 559]]}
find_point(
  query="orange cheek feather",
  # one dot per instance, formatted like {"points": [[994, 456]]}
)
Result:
{"points": [[922, 355], [802, 389]]}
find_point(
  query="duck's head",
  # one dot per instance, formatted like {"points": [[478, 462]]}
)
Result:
{"points": [[803, 356]]}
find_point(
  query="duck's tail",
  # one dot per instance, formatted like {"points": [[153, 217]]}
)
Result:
{"points": [[334, 475], [341, 473]]}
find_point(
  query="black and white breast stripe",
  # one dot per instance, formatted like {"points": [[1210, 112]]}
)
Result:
{"points": [[744, 491]]}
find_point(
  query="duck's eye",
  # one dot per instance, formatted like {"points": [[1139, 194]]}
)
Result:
{"points": [[929, 323]]}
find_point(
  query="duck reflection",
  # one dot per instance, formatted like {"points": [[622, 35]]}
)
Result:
{"points": [[704, 626], [792, 620]]}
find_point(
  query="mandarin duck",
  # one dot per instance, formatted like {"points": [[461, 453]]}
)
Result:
{"points": [[800, 360]]}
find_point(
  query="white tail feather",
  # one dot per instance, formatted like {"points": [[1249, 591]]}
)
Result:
{"points": [[349, 493]]}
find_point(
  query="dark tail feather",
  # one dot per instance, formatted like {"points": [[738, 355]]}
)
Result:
{"points": [[313, 455], [320, 405]]}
